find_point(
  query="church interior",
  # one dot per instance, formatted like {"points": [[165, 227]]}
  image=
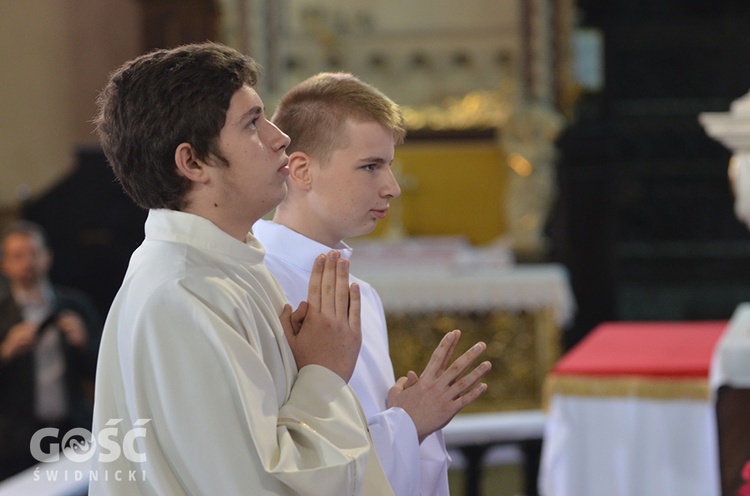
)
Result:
{"points": [[557, 179]]}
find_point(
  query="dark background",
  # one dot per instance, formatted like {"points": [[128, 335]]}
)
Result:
{"points": [[645, 221]]}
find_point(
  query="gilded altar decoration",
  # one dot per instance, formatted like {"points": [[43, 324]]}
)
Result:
{"points": [[526, 134], [476, 110], [522, 347], [527, 139]]}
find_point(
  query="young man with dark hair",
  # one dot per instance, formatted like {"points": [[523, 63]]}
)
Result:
{"points": [[226, 389]]}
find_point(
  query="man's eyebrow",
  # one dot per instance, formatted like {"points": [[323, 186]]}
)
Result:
{"points": [[379, 160], [253, 112]]}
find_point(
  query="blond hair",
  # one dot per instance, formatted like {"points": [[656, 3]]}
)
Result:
{"points": [[313, 113]]}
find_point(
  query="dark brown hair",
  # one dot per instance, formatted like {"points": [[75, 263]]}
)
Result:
{"points": [[159, 100]]}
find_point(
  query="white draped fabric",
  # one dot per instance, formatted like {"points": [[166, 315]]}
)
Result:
{"points": [[194, 352], [629, 447]]}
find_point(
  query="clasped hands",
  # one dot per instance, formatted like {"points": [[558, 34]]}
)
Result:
{"points": [[326, 329]]}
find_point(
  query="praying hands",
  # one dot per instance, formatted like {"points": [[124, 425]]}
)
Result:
{"points": [[441, 391], [326, 329]]}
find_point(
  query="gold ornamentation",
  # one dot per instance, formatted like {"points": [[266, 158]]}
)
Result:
{"points": [[522, 348], [475, 110], [657, 388]]}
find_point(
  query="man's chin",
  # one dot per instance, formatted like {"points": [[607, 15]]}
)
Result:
{"points": [[365, 230], [280, 198]]}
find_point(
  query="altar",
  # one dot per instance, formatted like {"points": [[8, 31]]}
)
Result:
{"points": [[432, 285], [630, 413]]}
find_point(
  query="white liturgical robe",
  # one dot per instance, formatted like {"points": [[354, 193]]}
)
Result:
{"points": [[411, 468], [197, 390]]}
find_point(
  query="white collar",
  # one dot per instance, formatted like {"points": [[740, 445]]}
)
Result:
{"points": [[291, 246], [201, 233]]}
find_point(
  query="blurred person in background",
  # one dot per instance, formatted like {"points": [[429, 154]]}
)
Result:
{"points": [[49, 338]]}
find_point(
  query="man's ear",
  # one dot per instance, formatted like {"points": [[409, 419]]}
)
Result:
{"points": [[300, 170], [189, 165]]}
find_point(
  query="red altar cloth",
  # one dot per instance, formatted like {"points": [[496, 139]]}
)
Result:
{"points": [[652, 349]]}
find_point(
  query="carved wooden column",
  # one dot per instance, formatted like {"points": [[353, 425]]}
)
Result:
{"points": [[169, 23]]}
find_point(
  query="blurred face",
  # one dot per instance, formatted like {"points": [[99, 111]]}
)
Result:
{"points": [[254, 182], [25, 260], [350, 193]]}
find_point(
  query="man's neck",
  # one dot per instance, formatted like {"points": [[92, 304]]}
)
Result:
{"points": [[237, 228], [291, 218]]}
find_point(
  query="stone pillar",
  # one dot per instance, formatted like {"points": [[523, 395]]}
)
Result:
{"points": [[732, 129]]}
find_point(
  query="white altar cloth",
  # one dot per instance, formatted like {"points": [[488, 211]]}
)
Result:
{"points": [[446, 274], [629, 447]]}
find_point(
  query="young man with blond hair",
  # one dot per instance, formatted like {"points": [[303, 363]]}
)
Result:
{"points": [[343, 134]]}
